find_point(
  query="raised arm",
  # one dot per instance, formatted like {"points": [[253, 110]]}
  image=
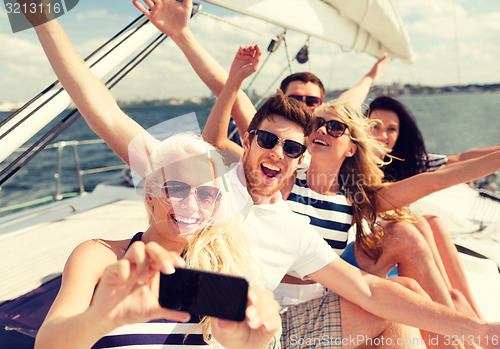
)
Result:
{"points": [[172, 17], [215, 131], [471, 154], [90, 95], [356, 95], [402, 193]]}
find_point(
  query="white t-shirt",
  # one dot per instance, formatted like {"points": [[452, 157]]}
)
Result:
{"points": [[281, 242]]}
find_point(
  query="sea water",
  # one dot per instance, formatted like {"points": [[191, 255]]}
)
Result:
{"points": [[450, 123]]}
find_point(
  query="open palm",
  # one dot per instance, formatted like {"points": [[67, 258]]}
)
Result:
{"points": [[169, 16]]}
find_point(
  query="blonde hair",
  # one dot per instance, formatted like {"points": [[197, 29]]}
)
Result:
{"points": [[221, 245], [361, 176]]}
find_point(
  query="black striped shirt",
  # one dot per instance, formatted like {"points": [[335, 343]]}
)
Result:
{"points": [[331, 215]]}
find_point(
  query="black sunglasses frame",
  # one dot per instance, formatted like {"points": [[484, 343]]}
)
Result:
{"points": [[286, 143], [183, 193], [331, 126], [310, 101]]}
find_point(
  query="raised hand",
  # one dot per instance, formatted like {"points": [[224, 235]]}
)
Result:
{"points": [[128, 289], [246, 62], [376, 71], [356, 95], [169, 16], [262, 324]]}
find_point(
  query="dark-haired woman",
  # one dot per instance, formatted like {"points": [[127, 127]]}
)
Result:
{"points": [[397, 129]]}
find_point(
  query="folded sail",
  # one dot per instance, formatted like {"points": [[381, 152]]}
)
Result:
{"points": [[370, 26]]}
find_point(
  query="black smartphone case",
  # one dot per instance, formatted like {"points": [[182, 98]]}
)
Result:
{"points": [[204, 293]]}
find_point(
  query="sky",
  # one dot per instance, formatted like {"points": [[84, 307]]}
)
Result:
{"points": [[446, 54]]}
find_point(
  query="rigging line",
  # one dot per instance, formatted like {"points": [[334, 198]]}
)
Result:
{"points": [[75, 114], [287, 53], [57, 81], [210, 15], [27, 104], [262, 97], [258, 72], [270, 51], [152, 46], [64, 124], [61, 89]]}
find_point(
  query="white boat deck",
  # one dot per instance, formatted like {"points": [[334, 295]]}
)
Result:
{"points": [[474, 223], [484, 279], [33, 255]]}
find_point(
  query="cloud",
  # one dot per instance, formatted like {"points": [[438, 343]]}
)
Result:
{"points": [[20, 52], [437, 27], [25, 69], [94, 14], [100, 14], [427, 8]]}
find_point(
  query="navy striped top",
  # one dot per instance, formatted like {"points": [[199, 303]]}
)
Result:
{"points": [[435, 162], [331, 215], [155, 334]]}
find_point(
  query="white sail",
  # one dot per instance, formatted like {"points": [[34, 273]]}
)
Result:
{"points": [[370, 26]]}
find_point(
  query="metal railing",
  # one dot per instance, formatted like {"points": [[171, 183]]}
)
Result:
{"points": [[79, 172], [59, 195]]}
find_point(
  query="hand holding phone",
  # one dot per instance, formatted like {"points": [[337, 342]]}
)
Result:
{"points": [[261, 329], [203, 293]]}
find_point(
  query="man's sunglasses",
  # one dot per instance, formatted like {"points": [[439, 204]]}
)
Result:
{"points": [[334, 128], [268, 140], [205, 195], [310, 101]]}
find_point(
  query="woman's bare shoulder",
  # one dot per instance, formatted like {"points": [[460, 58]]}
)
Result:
{"points": [[99, 252]]}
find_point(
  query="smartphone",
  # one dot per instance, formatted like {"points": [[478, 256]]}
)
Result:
{"points": [[204, 293]]}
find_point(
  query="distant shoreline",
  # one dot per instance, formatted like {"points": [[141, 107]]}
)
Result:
{"points": [[395, 89]]}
